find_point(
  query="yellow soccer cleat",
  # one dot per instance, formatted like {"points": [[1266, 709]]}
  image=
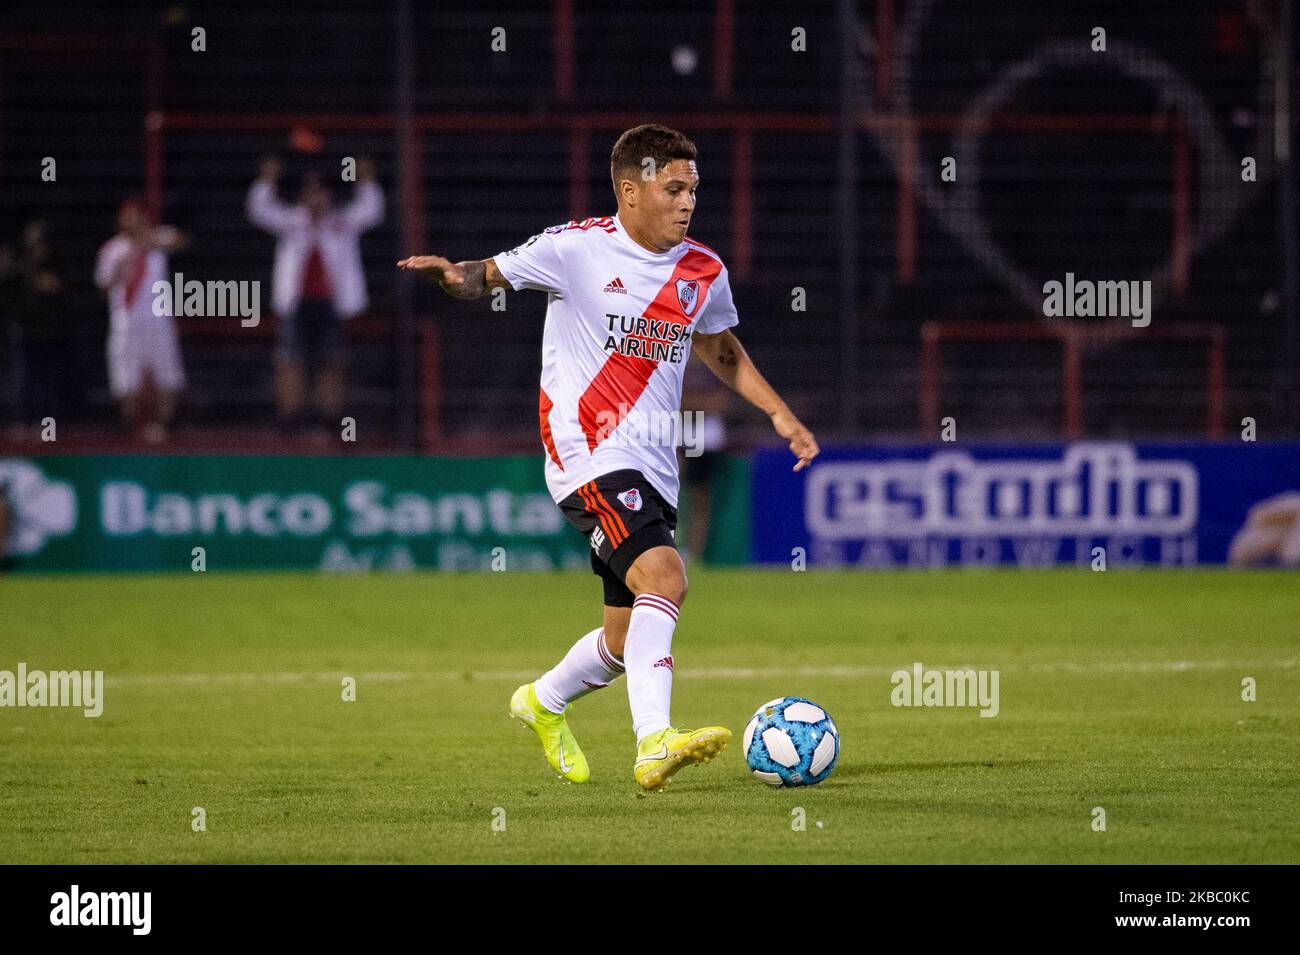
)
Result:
{"points": [[552, 729], [661, 754]]}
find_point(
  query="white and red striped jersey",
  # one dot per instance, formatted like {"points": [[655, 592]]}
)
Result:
{"points": [[617, 338], [131, 299]]}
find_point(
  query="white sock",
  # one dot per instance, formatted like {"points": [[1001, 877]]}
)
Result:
{"points": [[648, 658], [587, 666]]}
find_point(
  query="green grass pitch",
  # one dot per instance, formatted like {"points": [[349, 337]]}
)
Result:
{"points": [[1120, 690]]}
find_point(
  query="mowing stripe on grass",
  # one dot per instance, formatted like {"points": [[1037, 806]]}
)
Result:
{"points": [[699, 673]]}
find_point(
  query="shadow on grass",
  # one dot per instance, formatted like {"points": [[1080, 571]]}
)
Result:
{"points": [[876, 769], [843, 773]]}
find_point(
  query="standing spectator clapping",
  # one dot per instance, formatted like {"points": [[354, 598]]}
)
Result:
{"points": [[317, 282]]}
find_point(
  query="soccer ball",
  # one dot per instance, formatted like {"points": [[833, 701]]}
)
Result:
{"points": [[791, 742]]}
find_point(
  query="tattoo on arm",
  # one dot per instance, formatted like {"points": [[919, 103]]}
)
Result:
{"points": [[481, 277], [727, 356], [475, 285], [493, 276]]}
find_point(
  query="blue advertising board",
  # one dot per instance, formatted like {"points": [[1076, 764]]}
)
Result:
{"points": [[1030, 505]]}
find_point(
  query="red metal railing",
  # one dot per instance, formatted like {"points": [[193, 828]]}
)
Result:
{"points": [[1074, 339], [578, 127]]}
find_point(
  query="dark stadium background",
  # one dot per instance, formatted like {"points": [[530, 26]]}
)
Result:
{"points": [[1069, 504], [820, 170]]}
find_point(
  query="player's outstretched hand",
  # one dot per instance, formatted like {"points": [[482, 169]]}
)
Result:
{"points": [[447, 274], [802, 443]]}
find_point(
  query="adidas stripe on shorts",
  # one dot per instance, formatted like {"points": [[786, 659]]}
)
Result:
{"points": [[623, 516]]}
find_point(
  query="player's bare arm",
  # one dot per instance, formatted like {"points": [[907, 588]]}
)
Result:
{"points": [[729, 361], [472, 279]]}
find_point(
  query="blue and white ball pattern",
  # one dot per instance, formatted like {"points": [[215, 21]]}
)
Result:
{"points": [[791, 741]]}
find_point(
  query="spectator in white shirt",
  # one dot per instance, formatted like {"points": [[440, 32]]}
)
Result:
{"points": [[139, 342], [317, 282]]}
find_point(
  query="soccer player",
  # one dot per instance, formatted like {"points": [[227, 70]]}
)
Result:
{"points": [[629, 296]]}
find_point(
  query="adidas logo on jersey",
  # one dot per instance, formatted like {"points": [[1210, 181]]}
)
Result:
{"points": [[597, 538], [665, 662], [631, 499], [616, 286]]}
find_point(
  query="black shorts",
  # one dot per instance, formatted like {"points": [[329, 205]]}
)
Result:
{"points": [[313, 335], [623, 516]]}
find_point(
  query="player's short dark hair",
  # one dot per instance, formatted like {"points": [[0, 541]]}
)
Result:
{"points": [[652, 141]]}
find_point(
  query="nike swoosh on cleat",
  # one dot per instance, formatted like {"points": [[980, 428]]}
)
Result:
{"points": [[564, 767], [662, 754]]}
